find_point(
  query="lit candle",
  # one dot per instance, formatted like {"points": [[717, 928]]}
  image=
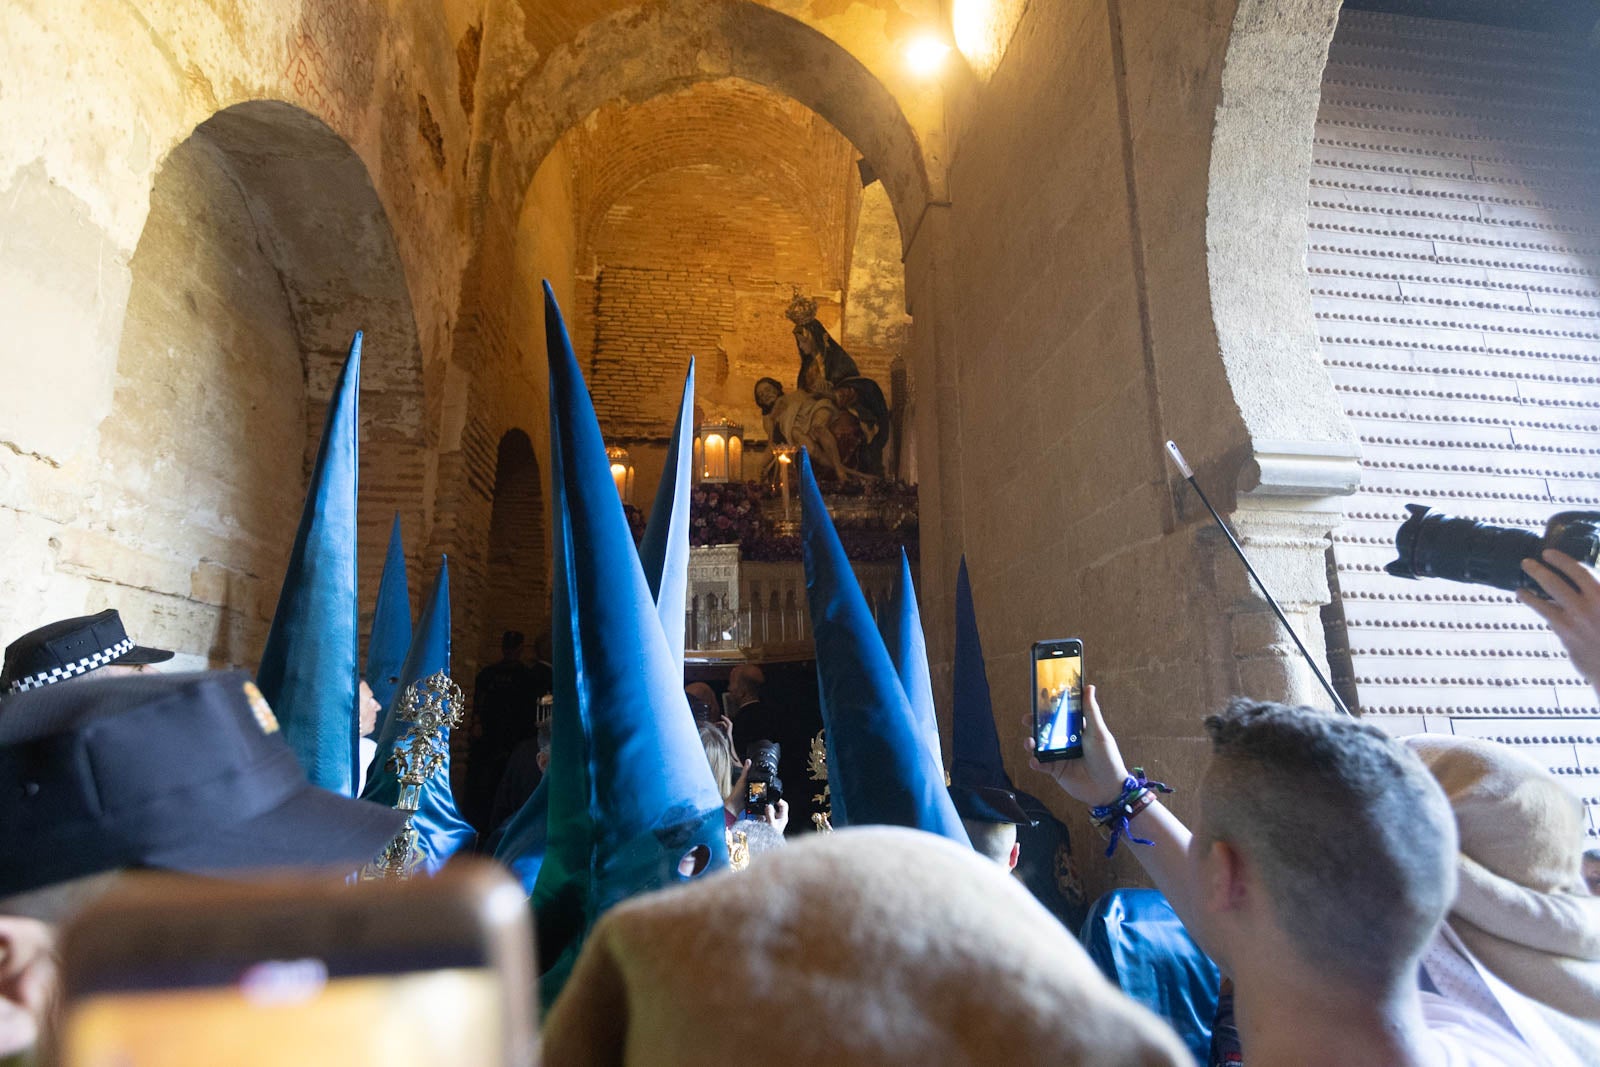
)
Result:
{"points": [[783, 481], [619, 474], [716, 457]]}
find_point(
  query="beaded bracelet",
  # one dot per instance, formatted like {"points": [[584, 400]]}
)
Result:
{"points": [[1138, 793]]}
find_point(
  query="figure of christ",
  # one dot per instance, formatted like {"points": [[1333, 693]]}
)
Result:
{"points": [[803, 420]]}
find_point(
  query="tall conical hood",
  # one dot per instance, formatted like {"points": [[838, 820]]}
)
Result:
{"points": [[975, 760], [631, 794], [879, 766], [308, 670], [441, 831], [900, 623], [664, 552], [391, 626], [979, 786]]}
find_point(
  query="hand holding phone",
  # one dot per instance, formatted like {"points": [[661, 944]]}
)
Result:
{"points": [[1058, 699], [1096, 778]]}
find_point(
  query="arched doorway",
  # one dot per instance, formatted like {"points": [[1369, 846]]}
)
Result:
{"points": [[518, 576], [266, 247]]}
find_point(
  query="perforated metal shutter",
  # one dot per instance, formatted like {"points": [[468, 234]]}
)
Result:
{"points": [[1455, 269]]}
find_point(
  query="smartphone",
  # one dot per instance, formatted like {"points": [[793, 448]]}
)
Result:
{"points": [[185, 972], [1058, 699]]}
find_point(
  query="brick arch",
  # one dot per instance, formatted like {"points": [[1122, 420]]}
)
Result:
{"points": [[638, 53], [265, 249]]}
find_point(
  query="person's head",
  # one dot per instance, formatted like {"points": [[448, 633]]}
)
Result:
{"points": [[1322, 843], [768, 390], [702, 701], [511, 643], [719, 755], [68, 649], [369, 709], [543, 758], [997, 840], [805, 338], [1591, 871], [745, 682], [823, 928]]}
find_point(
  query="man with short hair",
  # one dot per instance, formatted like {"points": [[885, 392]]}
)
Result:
{"points": [[79, 647], [1321, 866]]}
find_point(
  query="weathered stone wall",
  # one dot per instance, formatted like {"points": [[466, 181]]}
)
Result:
{"points": [[1065, 325], [87, 484]]}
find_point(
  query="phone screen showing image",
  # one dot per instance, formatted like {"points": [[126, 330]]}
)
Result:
{"points": [[1058, 699]]}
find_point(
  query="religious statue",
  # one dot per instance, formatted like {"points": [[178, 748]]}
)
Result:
{"points": [[827, 371], [805, 421]]}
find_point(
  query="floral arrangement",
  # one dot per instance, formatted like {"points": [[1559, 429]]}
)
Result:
{"points": [[724, 514], [875, 521]]}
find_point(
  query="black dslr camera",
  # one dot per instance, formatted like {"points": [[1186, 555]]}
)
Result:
{"points": [[762, 786], [1463, 550]]}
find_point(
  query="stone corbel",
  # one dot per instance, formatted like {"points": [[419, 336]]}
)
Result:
{"points": [[1299, 474]]}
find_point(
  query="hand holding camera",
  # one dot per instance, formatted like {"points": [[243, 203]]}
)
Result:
{"points": [[1570, 604]]}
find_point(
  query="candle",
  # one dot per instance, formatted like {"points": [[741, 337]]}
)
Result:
{"points": [[783, 481], [716, 457]]}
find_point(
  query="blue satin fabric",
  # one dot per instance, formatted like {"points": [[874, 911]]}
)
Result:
{"points": [[308, 669], [391, 627], [526, 834], [879, 768], [975, 759], [1137, 940], [441, 831], [900, 624], [630, 790], [664, 551]]}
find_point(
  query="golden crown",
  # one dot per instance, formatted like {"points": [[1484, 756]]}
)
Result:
{"points": [[801, 310]]}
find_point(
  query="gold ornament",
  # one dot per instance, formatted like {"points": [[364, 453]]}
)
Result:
{"points": [[738, 848], [802, 309], [432, 705]]}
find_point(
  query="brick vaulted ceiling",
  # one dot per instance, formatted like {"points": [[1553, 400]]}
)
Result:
{"points": [[797, 158]]}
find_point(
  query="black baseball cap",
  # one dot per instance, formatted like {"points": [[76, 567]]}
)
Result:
{"points": [[987, 803], [184, 772], [70, 647]]}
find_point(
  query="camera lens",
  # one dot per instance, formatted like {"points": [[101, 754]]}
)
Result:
{"points": [[1432, 545]]}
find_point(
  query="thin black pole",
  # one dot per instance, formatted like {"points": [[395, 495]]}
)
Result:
{"points": [[1188, 476]]}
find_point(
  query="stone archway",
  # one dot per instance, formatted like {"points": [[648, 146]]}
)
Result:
{"points": [[265, 248], [635, 54], [1256, 217]]}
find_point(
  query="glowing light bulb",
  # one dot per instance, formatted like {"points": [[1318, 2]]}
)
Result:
{"points": [[925, 54]]}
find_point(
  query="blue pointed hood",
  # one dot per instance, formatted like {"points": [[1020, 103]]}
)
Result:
{"points": [[630, 794], [979, 785], [900, 623], [308, 669], [664, 552], [441, 831], [391, 626], [879, 766]]}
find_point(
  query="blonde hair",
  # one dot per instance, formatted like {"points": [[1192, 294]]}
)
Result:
{"points": [[719, 753]]}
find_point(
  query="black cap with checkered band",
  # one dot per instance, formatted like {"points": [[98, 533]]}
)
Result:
{"points": [[69, 648]]}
